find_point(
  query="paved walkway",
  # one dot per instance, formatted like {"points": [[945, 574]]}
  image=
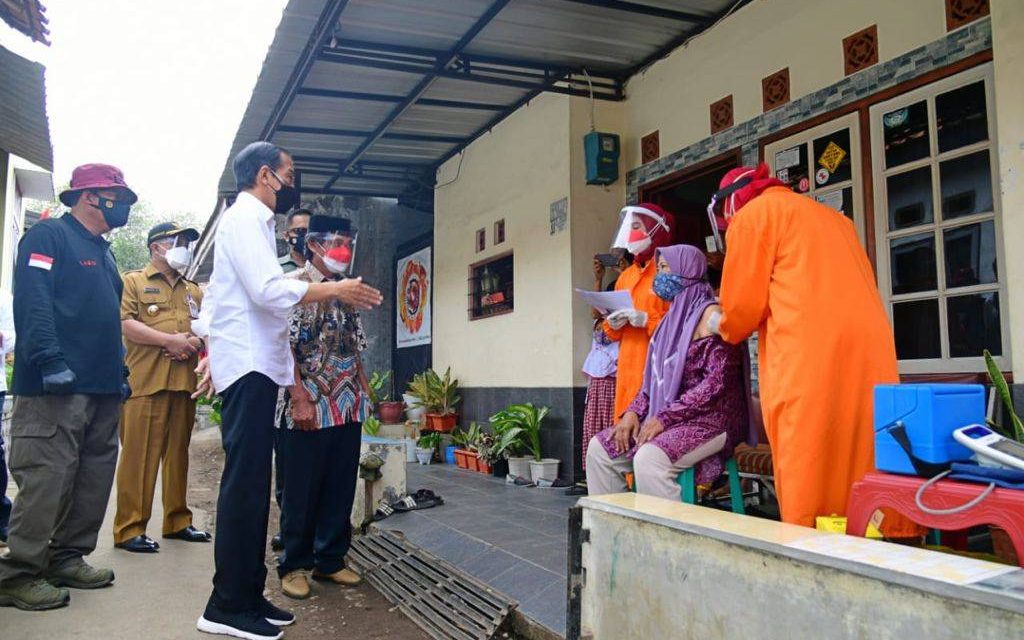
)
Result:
{"points": [[155, 597], [514, 539]]}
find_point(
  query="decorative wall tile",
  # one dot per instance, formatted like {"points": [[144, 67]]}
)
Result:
{"points": [[650, 147], [955, 46], [775, 90], [860, 50], [721, 114], [961, 12]]}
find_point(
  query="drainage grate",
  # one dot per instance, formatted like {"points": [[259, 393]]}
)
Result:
{"points": [[439, 598]]}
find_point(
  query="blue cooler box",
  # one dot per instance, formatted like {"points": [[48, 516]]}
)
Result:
{"points": [[930, 413]]}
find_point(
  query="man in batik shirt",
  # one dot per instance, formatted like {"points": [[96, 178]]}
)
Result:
{"points": [[320, 421]]}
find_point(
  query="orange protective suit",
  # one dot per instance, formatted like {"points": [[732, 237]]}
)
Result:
{"points": [[796, 273], [633, 341]]}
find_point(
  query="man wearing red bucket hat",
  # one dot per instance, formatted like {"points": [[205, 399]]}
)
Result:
{"points": [[69, 381]]}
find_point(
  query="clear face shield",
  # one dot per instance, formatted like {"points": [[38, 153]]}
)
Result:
{"points": [[632, 235], [178, 251], [721, 209], [337, 250]]}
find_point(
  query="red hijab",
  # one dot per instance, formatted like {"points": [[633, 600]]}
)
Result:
{"points": [[760, 179]]}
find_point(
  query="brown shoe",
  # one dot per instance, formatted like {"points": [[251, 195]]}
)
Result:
{"points": [[295, 585], [346, 577]]}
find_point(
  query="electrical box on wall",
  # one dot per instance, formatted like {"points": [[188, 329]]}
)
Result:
{"points": [[602, 153]]}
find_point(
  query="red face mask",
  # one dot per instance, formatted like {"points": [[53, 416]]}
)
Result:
{"points": [[338, 259]]}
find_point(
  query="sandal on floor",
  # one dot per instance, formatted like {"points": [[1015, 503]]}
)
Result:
{"points": [[383, 510], [414, 503]]}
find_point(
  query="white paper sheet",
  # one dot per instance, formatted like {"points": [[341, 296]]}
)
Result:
{"points": [[607, 301], [788, 158]]}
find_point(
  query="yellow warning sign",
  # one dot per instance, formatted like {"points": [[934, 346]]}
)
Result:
{"points": [[831, 157]]}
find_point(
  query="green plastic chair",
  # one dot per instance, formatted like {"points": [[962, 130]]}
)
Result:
{"points": [[687, 481]]}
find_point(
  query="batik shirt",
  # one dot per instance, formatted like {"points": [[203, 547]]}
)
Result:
{"points": [[326, 340]]}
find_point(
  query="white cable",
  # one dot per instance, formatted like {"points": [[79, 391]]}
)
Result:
{"points": [[946, 512], [591, 85]]}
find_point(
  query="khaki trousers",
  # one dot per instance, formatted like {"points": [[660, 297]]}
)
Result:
{"points": [[155, 429], [62, 455]]}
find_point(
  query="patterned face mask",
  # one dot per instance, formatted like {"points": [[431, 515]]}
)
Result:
{"points": [[669, 285]]}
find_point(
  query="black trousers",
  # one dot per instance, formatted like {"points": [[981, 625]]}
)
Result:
{"points": [[243, 506], [319, 469]]}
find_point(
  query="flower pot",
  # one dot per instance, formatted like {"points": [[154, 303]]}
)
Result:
{"points": [[410, 449], [499, 469], [442, 423], [449, 454], [415, 413], [519, 466], [462, 458], [547, 469], [391, 412], [483, 466], [474, 460], [1002, 545], [424, 456]]}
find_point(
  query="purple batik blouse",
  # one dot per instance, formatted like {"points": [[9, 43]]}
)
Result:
{"points": [[712, 401]]}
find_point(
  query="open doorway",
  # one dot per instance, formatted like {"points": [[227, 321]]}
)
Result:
{"points": [[685, 194]]}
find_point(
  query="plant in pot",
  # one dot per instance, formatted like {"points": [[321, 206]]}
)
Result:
{"points": [[438, 396], [465, 440], [426, 446], [518, 427], [484, 448], [371, 426], [381, 388], [492, 455], [1001, 543]]}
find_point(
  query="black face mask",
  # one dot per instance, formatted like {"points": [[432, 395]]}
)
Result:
{"points": [[287, 196], [114, 213], [298, 241]]}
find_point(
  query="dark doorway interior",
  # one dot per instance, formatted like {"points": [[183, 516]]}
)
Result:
{"points": [[685, 195]]}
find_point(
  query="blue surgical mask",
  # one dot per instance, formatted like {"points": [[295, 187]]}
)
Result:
{"points": [[669, 285], [114, 212]]}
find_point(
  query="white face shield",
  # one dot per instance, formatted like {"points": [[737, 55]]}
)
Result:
{"points": [[629, 218]]}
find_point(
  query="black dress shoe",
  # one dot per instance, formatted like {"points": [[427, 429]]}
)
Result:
{"points": [[139, 544], [276, 543], [189, 534]]}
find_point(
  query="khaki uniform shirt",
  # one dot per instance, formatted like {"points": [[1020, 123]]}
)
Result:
{"points": [[153, 301]]}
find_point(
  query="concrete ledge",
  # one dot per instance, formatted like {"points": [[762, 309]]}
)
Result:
{"points": [[655, 568]]}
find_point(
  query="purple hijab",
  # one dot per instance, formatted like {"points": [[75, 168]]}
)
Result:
{"points": [[666, 358]]}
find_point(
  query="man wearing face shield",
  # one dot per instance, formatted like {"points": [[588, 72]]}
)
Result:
{"points": [[157, 311], [244, 321], [644, 229], [320, 421], [69, 381]]}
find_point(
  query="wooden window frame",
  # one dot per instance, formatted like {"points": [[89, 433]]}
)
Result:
{"points": [[473, 291]]}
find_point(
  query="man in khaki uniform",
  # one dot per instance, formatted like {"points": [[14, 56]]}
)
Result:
{"points": [[157, 311]]}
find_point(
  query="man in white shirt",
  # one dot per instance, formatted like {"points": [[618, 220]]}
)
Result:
{"points": [[245, 322], [6, 346]]}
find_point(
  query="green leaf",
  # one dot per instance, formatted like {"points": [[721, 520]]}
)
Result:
{"points": [[1004, 393]]}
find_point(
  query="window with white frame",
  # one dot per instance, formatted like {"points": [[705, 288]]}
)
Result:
{"points": [[824, 163], [938, 225]]}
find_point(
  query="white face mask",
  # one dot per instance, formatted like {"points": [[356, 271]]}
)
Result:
{"points": [[639, 247], [178, 258]]}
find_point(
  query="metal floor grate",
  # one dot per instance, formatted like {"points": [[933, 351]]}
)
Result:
{"points": [[440, 599]]}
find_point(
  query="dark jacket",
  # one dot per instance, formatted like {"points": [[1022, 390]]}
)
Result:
{"points": [[67, 301]]}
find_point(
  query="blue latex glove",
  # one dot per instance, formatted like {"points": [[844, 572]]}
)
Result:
{"points": [[59, 383]]}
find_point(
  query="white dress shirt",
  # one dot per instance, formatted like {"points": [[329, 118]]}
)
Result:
{"points": [[6, 334], [245, 311]]}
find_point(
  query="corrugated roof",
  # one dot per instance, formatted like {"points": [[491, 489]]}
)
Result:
{"points": [[372, 95], [28, 17], [24, 128]]}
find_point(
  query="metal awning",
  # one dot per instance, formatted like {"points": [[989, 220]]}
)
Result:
{"points": [[28, 17], [24, 128], [371, 96]]}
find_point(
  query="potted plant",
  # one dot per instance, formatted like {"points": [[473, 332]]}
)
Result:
{"points": [[425, 447], [1002, 545], [438, 396], [371, 426], [465, 442], [519, 425], [491, 456], [381, 388], [411, 434]]}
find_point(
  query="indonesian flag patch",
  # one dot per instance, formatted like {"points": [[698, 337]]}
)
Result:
{"points": [[40, 261]]}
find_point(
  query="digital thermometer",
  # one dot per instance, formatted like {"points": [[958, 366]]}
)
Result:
{"points": [[990, 448]]}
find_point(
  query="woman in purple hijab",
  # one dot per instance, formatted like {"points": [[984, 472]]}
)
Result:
{"points": [[692, 408]]}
